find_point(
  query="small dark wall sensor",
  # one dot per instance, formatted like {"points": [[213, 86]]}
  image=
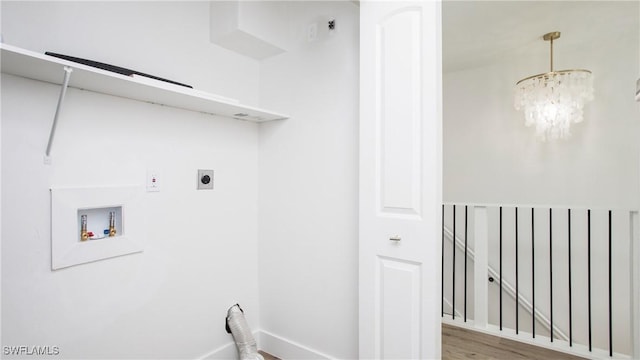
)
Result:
{"points": [[205, 179]]}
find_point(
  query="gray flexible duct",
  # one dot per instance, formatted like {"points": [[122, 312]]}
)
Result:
{"points": [[239, 329]]}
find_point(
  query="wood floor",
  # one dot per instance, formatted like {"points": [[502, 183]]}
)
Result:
{"points": [[462, 344], [458, 343], [268, 356]]}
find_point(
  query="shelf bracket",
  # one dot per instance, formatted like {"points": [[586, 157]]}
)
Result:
{"points": [[63, 92]]}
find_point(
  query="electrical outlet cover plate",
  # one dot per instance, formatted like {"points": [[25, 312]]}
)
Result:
{"points": [[153, 181], [205, 179]]}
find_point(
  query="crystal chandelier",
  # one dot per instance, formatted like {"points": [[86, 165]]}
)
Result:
{"points": [[553, 100]]}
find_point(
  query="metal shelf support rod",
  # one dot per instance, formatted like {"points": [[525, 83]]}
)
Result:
{"points": [[63, 92]]}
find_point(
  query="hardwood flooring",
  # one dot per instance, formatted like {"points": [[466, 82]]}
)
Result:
{"points": [[268, 356], [458, 343], [462, 344]]}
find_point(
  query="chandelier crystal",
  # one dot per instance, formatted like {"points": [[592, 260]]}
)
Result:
{"points": [[553, 101]]}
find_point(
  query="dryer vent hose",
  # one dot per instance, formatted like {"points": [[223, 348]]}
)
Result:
{"points": [[237, 326]]}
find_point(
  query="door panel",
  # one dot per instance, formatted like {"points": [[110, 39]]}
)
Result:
{"points": [[399, 112], [400, 186], [399, 283]]}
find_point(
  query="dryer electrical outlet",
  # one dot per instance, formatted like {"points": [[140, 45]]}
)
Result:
{"points": [[205, 179]]}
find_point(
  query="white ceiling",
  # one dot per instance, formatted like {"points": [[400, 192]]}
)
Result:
{"points": [[477, 33]]}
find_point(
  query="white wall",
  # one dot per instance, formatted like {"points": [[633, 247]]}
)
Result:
{"points": [[201, 251], [491, 157], [308, 187]]}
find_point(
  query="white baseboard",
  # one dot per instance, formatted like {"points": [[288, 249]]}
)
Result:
{"points": [[270, 343], [286, 349], [227, 351]]}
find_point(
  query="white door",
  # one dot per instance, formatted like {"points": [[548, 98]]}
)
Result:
{"points": [[400, 180]]}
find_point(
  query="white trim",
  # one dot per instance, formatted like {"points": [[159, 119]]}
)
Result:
{"points": [[270, 343], [285, 348], [540, 206], [635, 285], [448, 303], [227, 351], [481, 266]]}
